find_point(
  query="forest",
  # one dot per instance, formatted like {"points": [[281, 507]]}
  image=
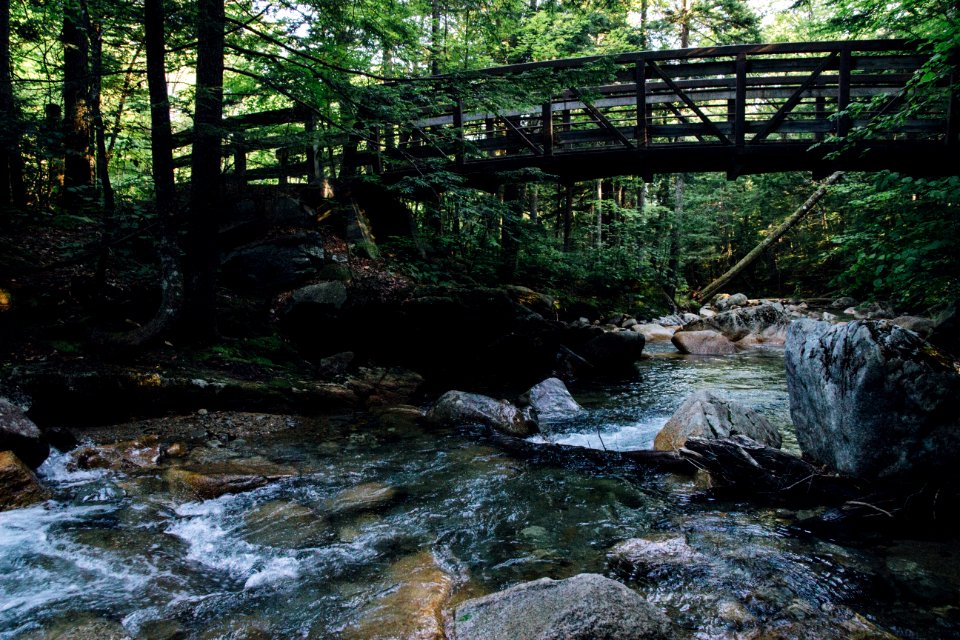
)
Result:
{"points": [[479, 319]]}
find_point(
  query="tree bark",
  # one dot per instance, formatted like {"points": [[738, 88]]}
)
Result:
{"points": [[775, 235], [435, 37], [205, 189], [674, 261], [510, 232], [11, 164], [161, 149], [568, 219], [78, 156]]}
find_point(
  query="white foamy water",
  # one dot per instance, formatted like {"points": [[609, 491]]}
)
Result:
{"points": [[613, 437], [56, 471], [210, 529]]}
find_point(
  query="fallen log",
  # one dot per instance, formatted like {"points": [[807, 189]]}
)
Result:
{"points": [[739, 465], [668, 461]]}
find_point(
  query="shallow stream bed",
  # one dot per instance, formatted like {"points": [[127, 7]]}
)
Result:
{"points": [[332, 551]]}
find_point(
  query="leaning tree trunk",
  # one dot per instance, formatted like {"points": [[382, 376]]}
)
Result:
{"points": [[777, 233], [205, 189]]}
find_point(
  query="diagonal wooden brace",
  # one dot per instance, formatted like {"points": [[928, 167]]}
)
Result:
{"points": [[602, 119], [712, 128], [793, 100], [520, 134]]}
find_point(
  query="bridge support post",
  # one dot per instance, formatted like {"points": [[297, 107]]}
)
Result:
{"points": [[239, 162], [461, 149], [641, 80], [843, 91], [546, 119]]}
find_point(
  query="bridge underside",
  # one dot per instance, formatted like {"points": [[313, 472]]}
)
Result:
{"points": [[918, 158]]}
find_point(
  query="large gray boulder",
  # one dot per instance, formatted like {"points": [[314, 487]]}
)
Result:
{"points": [[871, 399], [21, 436], [706, 415], [458, 407], [739, 323], [551, 400], [585, 607], [723, 303], [274, 264]]}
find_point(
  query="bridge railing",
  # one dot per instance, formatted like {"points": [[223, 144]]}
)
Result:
{"points": [[741, 97]]}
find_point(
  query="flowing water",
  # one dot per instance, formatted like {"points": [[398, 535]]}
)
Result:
{"points": [[325, 554]]}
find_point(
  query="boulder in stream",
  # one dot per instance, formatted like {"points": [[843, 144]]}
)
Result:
{"points": [[706, 415], [214, 479], [18, 485], [551, 400], [873, 400], [458, 407], [703, 343], [585, 607], [640, 556], [613, 351], [418, 589], [20, 435], [739, 323], [653, 332]]}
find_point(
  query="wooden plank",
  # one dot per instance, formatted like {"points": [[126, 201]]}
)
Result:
{"points": [[693, 106], [794, 100]]}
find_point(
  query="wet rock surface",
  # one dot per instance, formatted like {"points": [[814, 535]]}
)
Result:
{"points": [[703, 343], [18, 486], [551, 400], [214, 479], [708, 415], [458, 407], [418, 589], [20, 435], [584, 607], [736, 324], [870, 399]]}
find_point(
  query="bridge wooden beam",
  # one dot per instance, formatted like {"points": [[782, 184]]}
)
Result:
{"points": [[546, 129], [843, 91], [785, 109], [520, 134], [690, 103], [603, 120]]}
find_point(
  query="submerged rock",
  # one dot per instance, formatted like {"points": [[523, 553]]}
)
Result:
{"points": [[142, 453], [703, 343], [367, 496], [20, 435], [413, 608], [706, 415], [81, 626], [18, 485], [645, 555], [212, 480], [551, 400], [872, 400], [458, 407], [285, 524], [585, 607]]}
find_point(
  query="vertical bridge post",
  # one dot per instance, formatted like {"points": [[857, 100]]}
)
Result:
{"points": [[740, 109], [461, 139], [843, 90], [546, 119], [642, 134]]}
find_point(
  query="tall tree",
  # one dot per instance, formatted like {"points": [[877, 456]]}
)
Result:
{"points": [[205, 187], [77, 117], [11, 164]]}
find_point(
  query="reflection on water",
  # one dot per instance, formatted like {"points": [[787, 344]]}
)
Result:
{"points": [[311, 556]]}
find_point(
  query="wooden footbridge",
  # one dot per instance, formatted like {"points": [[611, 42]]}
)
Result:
{"points": [[818, 106]]}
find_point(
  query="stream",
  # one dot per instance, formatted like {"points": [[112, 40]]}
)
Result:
{"points": [[325, 553]]}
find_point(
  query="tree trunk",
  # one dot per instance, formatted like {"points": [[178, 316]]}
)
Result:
{"points": [[533, 202], [435, 37], [78, 156], [598, 210], [96, 89], [11, 163], [675, 259], [568, 219], [205, 189], [125, 91], [510, 232], [777, 233]]}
